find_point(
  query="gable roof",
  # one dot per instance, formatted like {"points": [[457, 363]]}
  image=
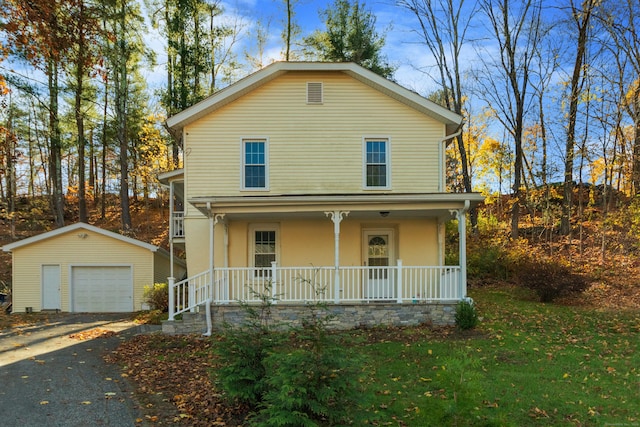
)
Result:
{"points": [[259, 78], [73, 227]]}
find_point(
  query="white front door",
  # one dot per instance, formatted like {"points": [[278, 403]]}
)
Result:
{"points": [[51, 287], [379, 254]]}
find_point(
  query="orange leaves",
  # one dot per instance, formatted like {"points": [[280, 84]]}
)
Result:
{"points": [[92, 334], [173, 383]]}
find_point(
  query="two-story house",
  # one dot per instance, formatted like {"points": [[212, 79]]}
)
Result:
{"points": [[308, 176]]}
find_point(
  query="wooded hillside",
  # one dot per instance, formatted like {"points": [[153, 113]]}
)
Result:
{"points": [[603, 250]]}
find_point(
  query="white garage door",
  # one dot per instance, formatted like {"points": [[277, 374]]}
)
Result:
{"points": [[102, 289]]}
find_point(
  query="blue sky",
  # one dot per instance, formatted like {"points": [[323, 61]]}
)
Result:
{"points": [[392, 21]]}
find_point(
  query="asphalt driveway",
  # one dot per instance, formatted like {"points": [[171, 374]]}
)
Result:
{"points": [[54, 374]]}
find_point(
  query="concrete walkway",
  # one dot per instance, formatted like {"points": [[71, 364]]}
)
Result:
{"points": [[48, 378]]}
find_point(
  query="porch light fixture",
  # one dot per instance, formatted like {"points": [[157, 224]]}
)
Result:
{"points": [[83, 235], [384, 214]]}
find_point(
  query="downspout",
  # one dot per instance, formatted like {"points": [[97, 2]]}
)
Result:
{"points": [[441, 158], [210, 287]]}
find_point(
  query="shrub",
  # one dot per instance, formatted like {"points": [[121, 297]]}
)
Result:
{"points": [[242, 373], [311, 385], [307, 380], [157, 296], [487, 261], [466, 315], [244, 348], [316, 382], [550, 278]]}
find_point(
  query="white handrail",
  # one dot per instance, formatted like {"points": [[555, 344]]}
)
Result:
{"points": [[188, 294]]}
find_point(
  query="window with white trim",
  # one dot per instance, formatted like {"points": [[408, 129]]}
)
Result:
{"points": [[376, 163], [264, 248], [254, 164]]}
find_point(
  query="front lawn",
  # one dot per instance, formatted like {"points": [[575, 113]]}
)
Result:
{"points": [[526, 364], [532, 364]]}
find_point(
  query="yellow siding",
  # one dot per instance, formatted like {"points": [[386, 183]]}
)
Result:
{"points": [[313, 149], [197, 244], [69, 249], [162, 268], [305, 243]]}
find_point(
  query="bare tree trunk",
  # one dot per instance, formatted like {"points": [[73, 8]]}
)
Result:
{"points": [[122, 93], [103, 183], [55, 150], [517, 35], [444, 34], [80, 72], [582, 19], [289, 29]]}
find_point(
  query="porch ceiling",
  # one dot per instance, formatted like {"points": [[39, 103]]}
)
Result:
{"points": [[366, 206]]}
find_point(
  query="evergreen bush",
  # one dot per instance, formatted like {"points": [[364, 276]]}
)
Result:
{"points": [[243, 349], [466, 315], [315, 383]]}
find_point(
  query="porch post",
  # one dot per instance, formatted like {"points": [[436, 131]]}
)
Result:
{"points": [[399, 282], [171, 228], [336, 217], [172, 298], [213, 220], [462, 237], [461, 216], [224, 288]]}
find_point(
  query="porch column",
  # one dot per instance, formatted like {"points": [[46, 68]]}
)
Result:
{"points": [[461, 216], [171, 207], [336, 217], [213, 220]]}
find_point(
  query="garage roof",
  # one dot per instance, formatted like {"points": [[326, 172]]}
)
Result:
{"points": [[79, 226]]}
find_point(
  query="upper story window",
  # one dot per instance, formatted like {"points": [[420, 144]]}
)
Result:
{"points": [[255, 168], [376, 163]]}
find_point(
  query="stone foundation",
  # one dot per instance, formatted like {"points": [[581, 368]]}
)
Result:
{"points": [[190, 323], [346, 316]]}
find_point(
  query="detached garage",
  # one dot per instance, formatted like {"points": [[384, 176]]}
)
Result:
{"points": [[82, 268]]}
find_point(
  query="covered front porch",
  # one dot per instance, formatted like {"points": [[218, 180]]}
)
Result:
{"points": [[370, 236]]}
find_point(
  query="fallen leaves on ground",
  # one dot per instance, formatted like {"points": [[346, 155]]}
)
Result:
{"points": [[92, 334], [172, 378]]}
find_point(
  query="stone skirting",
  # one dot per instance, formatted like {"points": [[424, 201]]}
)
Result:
{"points": [[189, 323], [348, 316]]}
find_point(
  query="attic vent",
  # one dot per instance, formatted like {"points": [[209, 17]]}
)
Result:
{"points": [[314, 93]]}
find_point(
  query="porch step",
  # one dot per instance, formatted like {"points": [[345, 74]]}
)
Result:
{"points": [[191, 323]]}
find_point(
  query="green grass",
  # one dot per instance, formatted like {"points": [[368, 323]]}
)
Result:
{"points": [[526, 364]]}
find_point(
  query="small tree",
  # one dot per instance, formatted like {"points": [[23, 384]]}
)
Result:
{"points": [[316, 381], [242, 351], [350, 36]]}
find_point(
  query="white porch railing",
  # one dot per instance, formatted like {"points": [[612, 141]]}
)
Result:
{"points": [[400, 284], [188, 294], [177, 225]]}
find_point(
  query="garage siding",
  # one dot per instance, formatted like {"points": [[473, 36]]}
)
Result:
{"points": [[77, 247]]}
